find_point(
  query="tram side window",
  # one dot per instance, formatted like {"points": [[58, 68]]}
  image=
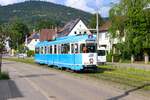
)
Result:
{"points": [[45, 50], [50, 49], [62, 49], [83, 48], [59, 49], [76, 48], [65, 48], [41, 50], [37, 50], [72, 48], [55, 49]]}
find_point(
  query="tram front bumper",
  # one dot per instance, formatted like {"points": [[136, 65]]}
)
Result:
{"points": [[89, 67]]}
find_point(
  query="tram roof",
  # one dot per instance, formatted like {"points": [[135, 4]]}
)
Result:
{"points": [[67, 39]]}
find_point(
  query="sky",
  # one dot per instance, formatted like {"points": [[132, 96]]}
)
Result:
{"points": [[103, 6]]}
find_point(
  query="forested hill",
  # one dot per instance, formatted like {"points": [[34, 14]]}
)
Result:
{"points": [[31, 12]]}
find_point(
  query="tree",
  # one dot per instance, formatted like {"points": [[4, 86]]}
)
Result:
{"points": [[117, 28], [17, 32], [93, 21], [2, 45], [46, 24], [135, 26]]}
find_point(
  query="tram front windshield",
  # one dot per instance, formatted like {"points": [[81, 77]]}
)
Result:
{"points": [[88, 48]]}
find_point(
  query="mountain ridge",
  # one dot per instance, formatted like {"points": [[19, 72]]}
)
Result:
{"points": [[31, 12]]}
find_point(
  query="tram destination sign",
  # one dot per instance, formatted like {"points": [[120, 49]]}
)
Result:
{"points": [[90, 41]]}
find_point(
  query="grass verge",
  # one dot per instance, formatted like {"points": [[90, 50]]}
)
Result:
{"points": [[23, 60], [132, 77]]}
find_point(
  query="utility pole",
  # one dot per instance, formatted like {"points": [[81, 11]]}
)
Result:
{"points": [[97, 29], [97, 23]]}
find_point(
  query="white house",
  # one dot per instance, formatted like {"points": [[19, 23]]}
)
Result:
{"points": [[7, 46], [104, 37], [74, 27], [32, 40]]}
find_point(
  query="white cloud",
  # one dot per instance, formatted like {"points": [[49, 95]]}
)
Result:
{"points": [[104, 11], [85, 5], [6, 2], [79, 4], [102, 5]]}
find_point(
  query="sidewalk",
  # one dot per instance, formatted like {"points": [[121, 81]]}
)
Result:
{"points": [[9, 90], [129, 65]]}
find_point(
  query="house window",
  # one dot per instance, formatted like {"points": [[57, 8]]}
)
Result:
{"points": [[100, 36], [106, 35], [35, 39], [79, 32], [75, 32], [85, 32]]}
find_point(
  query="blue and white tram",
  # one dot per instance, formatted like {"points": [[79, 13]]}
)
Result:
{"points": [[72, 52]]}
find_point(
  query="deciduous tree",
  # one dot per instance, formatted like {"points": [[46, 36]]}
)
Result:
{"points": [[17, 32], [2, 45], [135, 26], [93, 21]]}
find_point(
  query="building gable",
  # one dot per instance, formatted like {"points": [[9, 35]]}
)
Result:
{"points": [[73, 27], [79, 28]]}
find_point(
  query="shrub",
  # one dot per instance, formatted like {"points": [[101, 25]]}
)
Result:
{"points": [[4, 75], [30, 53], [108, 57], [116, 57]]}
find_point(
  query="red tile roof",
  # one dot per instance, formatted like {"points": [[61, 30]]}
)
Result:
{"points": [[68, 28], [47, 34], [105, 26]]}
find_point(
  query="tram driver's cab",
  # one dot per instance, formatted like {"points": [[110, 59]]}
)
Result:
{"points": [[89, 55]]}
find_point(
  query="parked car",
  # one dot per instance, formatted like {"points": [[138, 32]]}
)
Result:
{"points": [[22, 55]]}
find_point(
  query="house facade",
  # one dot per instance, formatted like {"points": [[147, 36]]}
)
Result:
{"points": [[32, 40], [104, 39], [74, 27]]}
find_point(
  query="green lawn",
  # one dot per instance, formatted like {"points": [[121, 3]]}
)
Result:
{"points": [[131, 77]]}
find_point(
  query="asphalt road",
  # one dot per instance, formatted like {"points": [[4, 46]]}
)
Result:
{"points": [[29, 82]]}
